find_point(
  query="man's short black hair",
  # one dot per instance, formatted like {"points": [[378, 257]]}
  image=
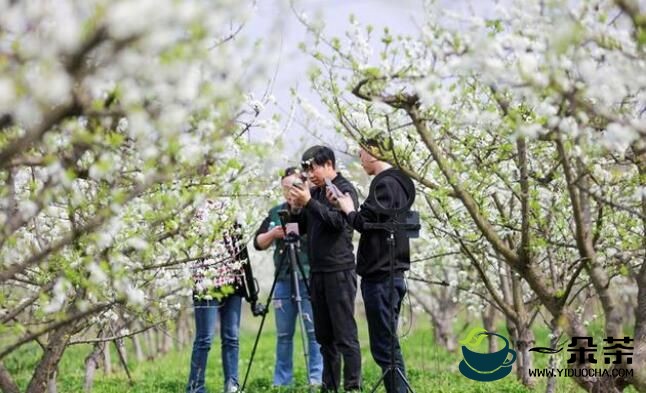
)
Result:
{"points": [[378, 141], [371, 142], [318, 155]]}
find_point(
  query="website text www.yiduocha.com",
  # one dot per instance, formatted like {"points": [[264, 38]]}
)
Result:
{"points": [[581, 372]]}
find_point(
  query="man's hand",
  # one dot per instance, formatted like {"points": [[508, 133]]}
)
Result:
{"points": [[329, 194], [300, 196], [276, 233], [265, 239], [345, 203]]}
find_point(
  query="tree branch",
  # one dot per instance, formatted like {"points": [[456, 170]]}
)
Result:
{"points": [[467, 200], [504, 307], [29, 337]]}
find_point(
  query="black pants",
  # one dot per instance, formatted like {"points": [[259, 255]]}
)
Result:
{"points": [[377, 300], [333, 297]]}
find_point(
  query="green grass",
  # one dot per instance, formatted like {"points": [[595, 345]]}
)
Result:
{"points": [[431, 369]]}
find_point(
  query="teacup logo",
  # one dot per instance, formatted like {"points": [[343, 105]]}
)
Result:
{"points": [[485, 367]]}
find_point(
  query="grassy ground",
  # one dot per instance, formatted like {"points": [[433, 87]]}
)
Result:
{"points": [[430, 368]]}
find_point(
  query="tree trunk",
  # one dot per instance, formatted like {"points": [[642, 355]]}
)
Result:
{"points": [[151, 348], [639, 358], [520, 329], [160, 339], [443, 333], [139, 352], [442, 314], [168, 343], [91, 364], [7, 384], [51, 384], [107, 359], [182, 328], [48, 364], [524, 342], [551, 381], [489, 323]]}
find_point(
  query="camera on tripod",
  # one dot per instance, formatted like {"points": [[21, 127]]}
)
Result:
{"points": [[290, 264], [290, 226]]}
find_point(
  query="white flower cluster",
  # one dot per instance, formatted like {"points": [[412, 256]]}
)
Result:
{"points": [[125, 100]]}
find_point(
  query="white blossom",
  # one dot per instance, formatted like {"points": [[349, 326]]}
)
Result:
{"points": [[137, 243], [617, 136], [27, 208], [7, 94], [97, 275]]}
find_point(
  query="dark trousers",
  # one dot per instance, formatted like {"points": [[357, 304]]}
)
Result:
{"points": [[333, 297], [377, 300]]}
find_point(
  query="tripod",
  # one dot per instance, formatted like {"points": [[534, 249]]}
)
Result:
{"points": [[294, 267], [392, 369]]}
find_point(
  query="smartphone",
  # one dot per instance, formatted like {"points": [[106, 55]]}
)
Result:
{"points": [[298, 183], [331, 186], [291, 227]]}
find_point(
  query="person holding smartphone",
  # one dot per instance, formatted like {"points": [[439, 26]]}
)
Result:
{"points": [[333, 276], [388, 188], [271, 233]]}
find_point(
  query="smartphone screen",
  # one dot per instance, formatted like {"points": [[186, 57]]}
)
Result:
{"points": [[291, 227]]}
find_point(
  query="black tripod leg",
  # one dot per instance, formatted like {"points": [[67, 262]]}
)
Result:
{"points": [[404, 380], [304, 335], [397, 371], [392, 368], [302, 271], [262, 324], [381, 379], [298, 298]]}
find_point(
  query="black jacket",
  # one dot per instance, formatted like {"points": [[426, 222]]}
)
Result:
{"points": [[373, 262], [328, 232]]}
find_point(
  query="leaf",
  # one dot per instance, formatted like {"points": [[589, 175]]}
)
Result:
{"points": [[372, 72], [474, 337], [623, 270], [336, 43]]}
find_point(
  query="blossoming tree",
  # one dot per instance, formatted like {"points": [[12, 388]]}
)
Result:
{"points": [[117, 119], [525, 132]]}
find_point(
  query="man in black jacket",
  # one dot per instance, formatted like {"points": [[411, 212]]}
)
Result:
{"points": [[332, 264], [373, 263]]}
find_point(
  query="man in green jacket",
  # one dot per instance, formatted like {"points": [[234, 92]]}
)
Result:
{"points": [[271, 232]]}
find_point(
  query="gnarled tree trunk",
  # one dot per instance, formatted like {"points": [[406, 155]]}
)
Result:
{"points": [[639, 357], [46, 369]]}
